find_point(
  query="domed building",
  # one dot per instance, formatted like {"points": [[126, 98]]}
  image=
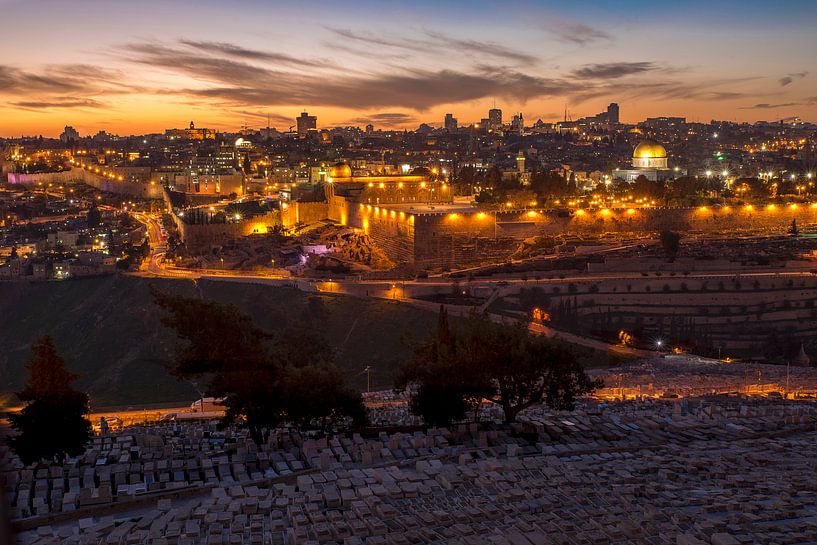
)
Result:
{"points": [[649, 160], [649, 154], [340, 170]]}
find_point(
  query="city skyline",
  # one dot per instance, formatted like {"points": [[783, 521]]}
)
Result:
{"points": [[131, 69]]}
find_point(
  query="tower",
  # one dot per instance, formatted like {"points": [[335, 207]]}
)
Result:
{"points": [[494, 119], [520, 162], [518, 123], [612, 113], [306, 123]]}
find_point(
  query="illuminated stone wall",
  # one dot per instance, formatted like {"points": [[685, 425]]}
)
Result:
{"points": [[75, 175], [379, 190], [392, 231], [201, 237], [304, 212], [462, 237], [451, 240]]}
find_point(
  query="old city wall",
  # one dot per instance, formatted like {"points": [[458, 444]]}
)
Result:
{"points": [[448, 241], [200, 237], [391, 230], [304, 213], [31, 180], [457, 239], [704, 219], [129, 189]]}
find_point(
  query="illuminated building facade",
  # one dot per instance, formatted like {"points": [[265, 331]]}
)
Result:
{"points": [[191, 133], [649, 160]]}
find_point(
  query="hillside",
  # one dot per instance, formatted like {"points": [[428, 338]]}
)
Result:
{"points": [[109, 331]]}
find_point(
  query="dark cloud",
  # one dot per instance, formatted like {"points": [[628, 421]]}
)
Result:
{"points": [[61, 86], [613, 70], [789, 78], [371, 39], [204, 67], [274, 119], [437, 42], [810, 101], [377, 54], [387, 119], [577, 33], [14, 80], [418, 90], [481, 48], [235, 51], [664, 90], [66, 102], [236, 82]]}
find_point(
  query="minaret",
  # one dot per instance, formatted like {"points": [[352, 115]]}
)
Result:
{"points": [[520, 162]]}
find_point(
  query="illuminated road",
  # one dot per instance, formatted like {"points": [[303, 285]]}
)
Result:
{"points": [[158, 244]]}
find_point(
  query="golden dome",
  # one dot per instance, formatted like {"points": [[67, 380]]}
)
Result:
{"points": [[649, 150], [340, 170]]}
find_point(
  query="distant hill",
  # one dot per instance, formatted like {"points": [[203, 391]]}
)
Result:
{"points": [[109, 331]]}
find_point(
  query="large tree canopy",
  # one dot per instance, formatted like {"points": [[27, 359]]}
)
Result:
{"points": [[53, 424], [503, 364], [264, 379]]}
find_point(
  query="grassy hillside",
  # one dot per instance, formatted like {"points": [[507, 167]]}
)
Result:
{"points": [[109, 331]]}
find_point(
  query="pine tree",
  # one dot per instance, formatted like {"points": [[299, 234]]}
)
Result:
{"points": [[53, 424]]}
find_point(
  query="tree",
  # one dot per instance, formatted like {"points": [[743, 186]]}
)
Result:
{"points": [[94, 218], [671, 242], [645, 187], [548, 185], [465, 179], [53, 424], [227, 351], [441, 393], [264, 379], [316, 395], [503, 364], [522, 198], [522, 369], [314, 390]]}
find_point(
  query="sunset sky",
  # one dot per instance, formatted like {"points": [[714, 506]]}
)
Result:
{"points": [[131, 67]]}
